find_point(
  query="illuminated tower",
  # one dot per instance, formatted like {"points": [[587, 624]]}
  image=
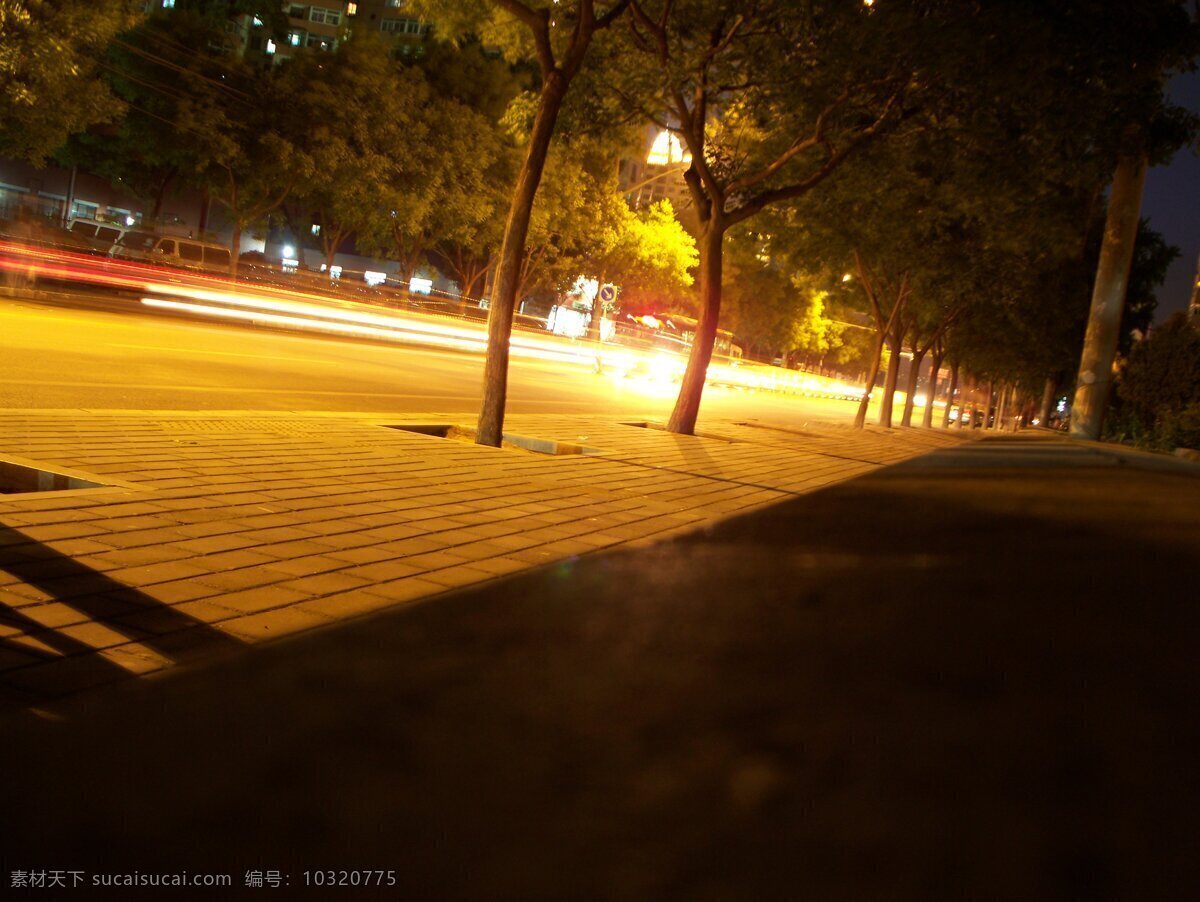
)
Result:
{"points": [[1194, 305]]}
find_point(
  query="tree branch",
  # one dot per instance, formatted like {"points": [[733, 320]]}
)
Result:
{"points": [[538, 22], [832, 162], [609, 17], [800, 144]]}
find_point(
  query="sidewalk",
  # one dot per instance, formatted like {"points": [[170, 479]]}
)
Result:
{"points": [[218, 530], [972, 675]]}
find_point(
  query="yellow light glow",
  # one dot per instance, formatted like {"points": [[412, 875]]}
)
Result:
{"points": [[667, 150]]}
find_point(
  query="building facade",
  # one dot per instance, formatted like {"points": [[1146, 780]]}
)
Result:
{"points": [[656, 173]]}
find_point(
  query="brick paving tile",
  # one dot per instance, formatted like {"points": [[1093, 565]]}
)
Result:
{"points": [[277, 551], [433, 560], [346, 604], [453, 577], [215, 544], [210, 528], [406, 589], [325, 583], [180, 590], [96, 635], [240, 580], [274, 624], [384, 571], [233, 560], [204, 611], [60, 531], [260, 599], [113, 559], [499, 565], [53, 614], [138, 538], [168, 571]]}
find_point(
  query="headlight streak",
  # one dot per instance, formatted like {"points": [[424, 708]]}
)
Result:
{"points": [[656, 370]]}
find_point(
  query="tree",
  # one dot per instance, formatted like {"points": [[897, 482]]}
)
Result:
{"points": [[197, 115], [50, 84], [769, 100], [252, 164], [654, 257], [367, 127], [1129, 55], [772, 307], [557, 36]]}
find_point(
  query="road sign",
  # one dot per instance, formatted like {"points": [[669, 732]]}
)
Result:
{"points": [[608, 294]]}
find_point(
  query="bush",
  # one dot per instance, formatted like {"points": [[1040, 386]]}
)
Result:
{"points": [[1158, 392]]}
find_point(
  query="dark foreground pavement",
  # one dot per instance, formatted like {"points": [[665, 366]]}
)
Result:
{"points": [[971, 676]]}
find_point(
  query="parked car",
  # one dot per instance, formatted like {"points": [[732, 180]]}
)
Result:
{"points": [[100, 236], [170, 250]]}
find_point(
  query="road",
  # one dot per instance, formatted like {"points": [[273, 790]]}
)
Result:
{"points": [[55, 357]]}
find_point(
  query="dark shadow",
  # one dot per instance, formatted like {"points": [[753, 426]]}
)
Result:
{"points": [[931, 682], [102, 600]]}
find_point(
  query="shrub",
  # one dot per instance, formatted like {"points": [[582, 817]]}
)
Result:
{"points": [[1158, 391]]}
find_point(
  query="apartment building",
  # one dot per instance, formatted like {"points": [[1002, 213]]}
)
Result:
{"points": [[389, 18]]}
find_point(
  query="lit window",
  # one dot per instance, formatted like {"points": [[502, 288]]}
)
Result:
{"points": [[257, 22], [316, 229], [168, 4], [270, 46], [296, 38], [352, 9]]}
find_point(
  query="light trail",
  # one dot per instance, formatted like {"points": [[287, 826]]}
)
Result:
{"points": [[217, 298]]}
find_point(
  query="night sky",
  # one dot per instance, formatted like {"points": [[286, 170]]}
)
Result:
{"points": [[1172, 204]]}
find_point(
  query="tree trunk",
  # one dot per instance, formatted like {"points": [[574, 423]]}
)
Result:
{"points": [[914, 377], [687, 405], [593, 330], [159, 197], [1048, 394], [860, 418], [330, 239], [205, 202], [503, 305], [935, 366], [896, 344], [235, 245], [1108, 298], [1002, 406], [950, 398]]}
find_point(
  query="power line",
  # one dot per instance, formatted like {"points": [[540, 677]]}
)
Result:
{"points": [[238, 95]]}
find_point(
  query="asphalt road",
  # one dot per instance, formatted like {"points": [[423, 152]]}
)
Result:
{"points": [[56, 357]]}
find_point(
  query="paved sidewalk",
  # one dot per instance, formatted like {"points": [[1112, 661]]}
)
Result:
{"points": [[218, 530], [973, 675]]}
